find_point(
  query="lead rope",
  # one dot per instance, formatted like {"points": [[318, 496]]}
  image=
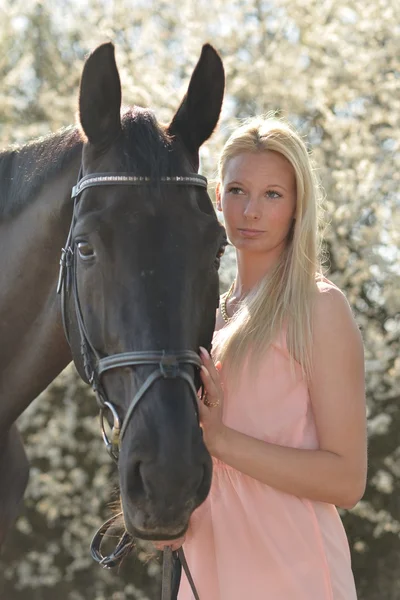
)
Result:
{"points": [[170, 576], [167, 571], [182, 559]]}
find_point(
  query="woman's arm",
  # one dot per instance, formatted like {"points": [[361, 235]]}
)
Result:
{"points": [[336, 472]]}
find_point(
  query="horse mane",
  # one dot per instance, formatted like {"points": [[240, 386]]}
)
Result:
{"points": [[146, 150], [25, 169]]}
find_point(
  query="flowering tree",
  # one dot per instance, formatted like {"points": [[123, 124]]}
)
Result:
{"points": [[333, 69]]}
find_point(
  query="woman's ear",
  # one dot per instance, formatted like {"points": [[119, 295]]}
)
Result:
{"points": [[218, 196]]}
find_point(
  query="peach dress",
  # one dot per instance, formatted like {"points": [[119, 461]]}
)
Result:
{"points": [[249, 541]]}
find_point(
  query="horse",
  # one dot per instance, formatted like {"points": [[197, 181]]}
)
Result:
{"points": [[138, 284]]}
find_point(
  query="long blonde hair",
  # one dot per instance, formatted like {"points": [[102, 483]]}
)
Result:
{"points": [[283, 298]]}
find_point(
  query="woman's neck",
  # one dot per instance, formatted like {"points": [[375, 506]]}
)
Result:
{"points": [[250, 270]]}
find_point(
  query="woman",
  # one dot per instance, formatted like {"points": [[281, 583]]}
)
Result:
{"points": [[284, 412]]}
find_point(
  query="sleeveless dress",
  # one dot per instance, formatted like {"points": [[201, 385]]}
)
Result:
{"points": [[249, 541]]}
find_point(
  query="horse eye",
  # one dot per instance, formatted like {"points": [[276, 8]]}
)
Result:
{"points": [[221, 252], [222, 247], [85, 250]]}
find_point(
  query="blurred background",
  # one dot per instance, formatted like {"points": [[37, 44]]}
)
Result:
{"points": [[332, 67]]}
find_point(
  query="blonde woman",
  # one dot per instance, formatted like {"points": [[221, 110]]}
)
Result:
{"points": [[284, 413]]}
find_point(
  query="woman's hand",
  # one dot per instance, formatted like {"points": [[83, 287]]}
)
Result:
{"points": [[210, 408]]}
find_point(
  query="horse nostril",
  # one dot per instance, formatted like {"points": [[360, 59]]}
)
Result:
{"points": [[136, 470], [135, 482]]}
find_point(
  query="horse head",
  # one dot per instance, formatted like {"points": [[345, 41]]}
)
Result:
{"points": [[143, 253]]}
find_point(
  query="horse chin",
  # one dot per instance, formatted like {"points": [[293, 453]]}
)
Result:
{"points": [[157, 502], [166, 520], [158, 534], [142, 525]]}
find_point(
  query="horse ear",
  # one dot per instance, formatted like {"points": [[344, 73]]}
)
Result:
{"points": [[100, 96], [198, 114]]}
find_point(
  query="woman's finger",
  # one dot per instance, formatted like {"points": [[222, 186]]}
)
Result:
{"points": [[209, 364], [213, 395], [209, 383], [206, 356]]}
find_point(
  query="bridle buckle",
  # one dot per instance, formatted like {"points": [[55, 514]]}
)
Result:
{"points": [[169, 366]]}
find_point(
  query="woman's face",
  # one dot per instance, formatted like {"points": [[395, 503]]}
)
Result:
{"points": [[258, 199]]}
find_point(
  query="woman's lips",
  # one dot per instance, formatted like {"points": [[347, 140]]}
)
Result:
{"points": [[250, 233]]}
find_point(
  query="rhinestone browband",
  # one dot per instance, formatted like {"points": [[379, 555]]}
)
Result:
{"points": [[111, 179]]}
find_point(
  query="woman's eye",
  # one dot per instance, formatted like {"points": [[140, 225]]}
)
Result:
{"points": [[235, 190], [85, 250], [273, 194]]}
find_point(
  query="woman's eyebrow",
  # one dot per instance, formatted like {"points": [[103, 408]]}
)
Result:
{"points": [[270, 185], [274, 185]]}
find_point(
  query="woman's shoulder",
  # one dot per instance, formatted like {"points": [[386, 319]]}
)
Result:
{"points": [[331, 308], [328, 296], [326, 286]]}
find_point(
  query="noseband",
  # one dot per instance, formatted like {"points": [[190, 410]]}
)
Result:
{"points": [[168, 365]]}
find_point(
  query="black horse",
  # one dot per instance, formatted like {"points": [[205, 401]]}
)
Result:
{"points": [[139, 286]]}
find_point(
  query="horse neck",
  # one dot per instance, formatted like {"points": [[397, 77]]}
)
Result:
{"points": [[33, 349]]}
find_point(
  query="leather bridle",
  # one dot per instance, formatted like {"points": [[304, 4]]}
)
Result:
{"points": [[168, 365]]}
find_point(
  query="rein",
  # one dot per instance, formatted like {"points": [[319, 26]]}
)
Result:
{"points": [[168, 365]]}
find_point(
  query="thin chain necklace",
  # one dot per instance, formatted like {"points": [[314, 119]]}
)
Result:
{"points": [[224, 299]]}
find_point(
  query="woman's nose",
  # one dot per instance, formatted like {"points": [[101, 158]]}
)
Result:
{"points": [[252, 209]]}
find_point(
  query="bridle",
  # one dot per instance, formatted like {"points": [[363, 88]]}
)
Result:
{"points": [[168, 365]]}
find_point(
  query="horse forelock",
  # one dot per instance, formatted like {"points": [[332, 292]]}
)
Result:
{"points": [[148, 149]]}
